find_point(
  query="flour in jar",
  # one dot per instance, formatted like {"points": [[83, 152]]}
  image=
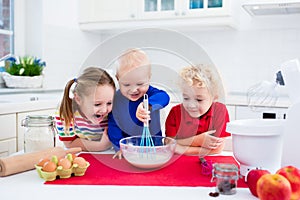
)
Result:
{"points": [[38, 139], [32, 145]]}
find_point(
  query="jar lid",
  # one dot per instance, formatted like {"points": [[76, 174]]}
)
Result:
{"points": [[38, 120], [225, 167], [225, 170]]}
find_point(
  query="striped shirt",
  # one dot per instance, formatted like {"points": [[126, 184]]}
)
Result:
{"points": [[80, 128]]}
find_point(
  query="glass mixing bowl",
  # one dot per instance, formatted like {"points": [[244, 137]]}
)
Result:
{"points": [[147, 157]]}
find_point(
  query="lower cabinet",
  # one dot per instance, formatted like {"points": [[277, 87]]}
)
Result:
{"points": [[245, 112], [12, 131], [231, 112], [7, 134], [8, 147]]}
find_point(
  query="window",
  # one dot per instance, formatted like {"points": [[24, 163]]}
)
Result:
{"points": [[6, 27]]}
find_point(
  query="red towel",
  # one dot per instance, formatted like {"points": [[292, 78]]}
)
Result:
{"points": [[180, 171]]}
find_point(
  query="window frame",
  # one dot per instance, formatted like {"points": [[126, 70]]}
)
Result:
{"points": [[10, 32]]}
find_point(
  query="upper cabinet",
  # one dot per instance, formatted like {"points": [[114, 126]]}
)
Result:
{"points": [[103, 14], [151, 9], [91, 11], [159, 9]]}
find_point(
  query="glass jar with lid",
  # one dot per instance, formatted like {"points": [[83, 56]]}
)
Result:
{"points": [[226, 176], [40, 132]]}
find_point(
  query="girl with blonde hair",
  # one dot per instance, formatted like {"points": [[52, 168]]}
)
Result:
{"points": [[82, 118]]}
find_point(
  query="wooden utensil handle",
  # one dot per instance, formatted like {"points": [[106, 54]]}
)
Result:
{"points": [[74, 150]]}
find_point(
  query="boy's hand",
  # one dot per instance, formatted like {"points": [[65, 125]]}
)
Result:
{"points": [[210, 141], [142, 114], [118, 155]]}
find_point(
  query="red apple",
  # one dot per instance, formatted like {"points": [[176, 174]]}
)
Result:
{"points": [[252, 178], [292, 174], [273, 186]]}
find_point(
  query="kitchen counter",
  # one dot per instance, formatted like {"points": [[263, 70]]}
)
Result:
{"points": [[26, 100], [28, 185], [240, 99], [23, 100], [17, 107], [28, 90]]}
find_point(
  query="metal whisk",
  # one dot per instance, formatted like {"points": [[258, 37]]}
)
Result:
{"points": [[146, 139], [264, 93]]}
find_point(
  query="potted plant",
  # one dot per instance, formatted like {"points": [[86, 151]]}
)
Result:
{"points": [[23, 72]]}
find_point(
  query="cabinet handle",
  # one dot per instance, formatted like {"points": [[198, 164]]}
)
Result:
{"points": [[269, 115], [183, 13], [132, 16], [176, 13]]}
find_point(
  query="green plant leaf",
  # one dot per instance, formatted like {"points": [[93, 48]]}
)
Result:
{"points": [[27, 66]]}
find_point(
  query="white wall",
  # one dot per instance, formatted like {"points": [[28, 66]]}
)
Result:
{"points": [[244, 56], [49, 29], [247, 57], [64, 45]]}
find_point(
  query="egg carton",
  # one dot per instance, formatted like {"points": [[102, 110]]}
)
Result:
{"points": [[62, 173]]}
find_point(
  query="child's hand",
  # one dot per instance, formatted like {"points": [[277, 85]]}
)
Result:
{"points": [[118, 155], [142, 114], [210, 141]]}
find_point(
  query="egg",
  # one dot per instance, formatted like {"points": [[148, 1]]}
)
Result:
{"points": [[65, 163], [49, 166], [80, 161], [42, 162]]}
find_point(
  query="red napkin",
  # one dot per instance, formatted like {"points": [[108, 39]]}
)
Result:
{"points": [[180, 171]]}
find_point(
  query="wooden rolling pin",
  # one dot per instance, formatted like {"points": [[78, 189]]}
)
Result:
{"points": [[24, 162]]}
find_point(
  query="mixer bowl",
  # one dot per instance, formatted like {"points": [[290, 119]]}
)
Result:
{"points": [[257, 143], [147, 157]]}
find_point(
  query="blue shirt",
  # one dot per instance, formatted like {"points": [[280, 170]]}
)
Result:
{"points": [[122, 121]]}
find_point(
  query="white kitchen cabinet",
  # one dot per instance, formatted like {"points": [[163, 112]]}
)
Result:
{"points": [[7, 134], [7, 147], [21, 129], [95, 15], [245, 112], [102, 10], [151, 9], [231, 112], [206, 8], [15, 106], [8, 126], [159, 9]]}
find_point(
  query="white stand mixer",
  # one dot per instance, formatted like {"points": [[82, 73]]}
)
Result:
{"points": [[270, 143], [290, 153]]}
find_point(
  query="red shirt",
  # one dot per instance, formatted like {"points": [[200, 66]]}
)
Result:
{"points": [[181, 125]]}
